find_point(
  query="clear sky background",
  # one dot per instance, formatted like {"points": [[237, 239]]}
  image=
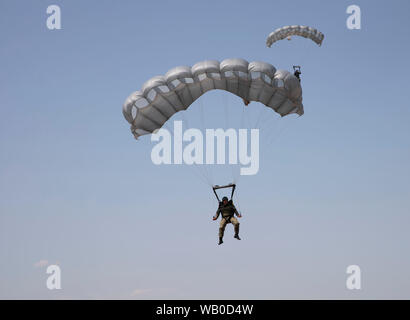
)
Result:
{"points": [[77, 190]]}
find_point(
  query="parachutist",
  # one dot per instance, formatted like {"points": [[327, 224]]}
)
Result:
{"points": [[297, 72], [228, 211]]}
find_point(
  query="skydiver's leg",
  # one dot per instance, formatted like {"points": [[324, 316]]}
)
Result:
{"points": [[236, 224], [222, 226]]}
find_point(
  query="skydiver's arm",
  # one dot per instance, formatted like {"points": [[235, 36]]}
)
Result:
{"points": [[217, 213], [236, 212]]}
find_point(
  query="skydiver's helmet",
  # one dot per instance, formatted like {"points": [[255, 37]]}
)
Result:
{"points": [[225, 199]]}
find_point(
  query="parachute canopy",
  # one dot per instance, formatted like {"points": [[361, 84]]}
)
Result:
{"points": [[288, 31], [163, 96]]}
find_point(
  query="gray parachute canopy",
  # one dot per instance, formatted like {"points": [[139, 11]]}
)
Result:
{"points": [[163, 96], [303, 31]]}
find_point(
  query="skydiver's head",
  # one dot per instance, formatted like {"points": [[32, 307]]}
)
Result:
{"points": [[225, 200]]}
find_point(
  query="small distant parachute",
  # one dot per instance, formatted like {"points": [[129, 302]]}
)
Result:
{"points": [[288, 31]]}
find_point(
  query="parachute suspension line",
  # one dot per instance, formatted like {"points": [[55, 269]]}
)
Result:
{"points": [[196, 173], [201, 172], [195, 165], [259, 118], [226, 109], [242, 123], [268, 123], [201, 176], [284, 126], [271, 128], [245, 124], [225, 99], [242, 116], [236, 176], [275, 136], [208, 171], [246, 115]]}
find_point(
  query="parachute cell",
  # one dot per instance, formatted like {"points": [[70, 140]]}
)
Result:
{"points": [[162, 96], [288, 31]]}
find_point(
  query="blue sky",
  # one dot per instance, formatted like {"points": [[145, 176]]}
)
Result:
{"points": [[78, 191]]}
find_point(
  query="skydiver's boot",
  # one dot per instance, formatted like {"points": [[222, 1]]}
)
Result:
{"points": [[221, 235], [236, 236]]}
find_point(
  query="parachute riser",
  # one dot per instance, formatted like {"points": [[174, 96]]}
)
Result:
{"points": [[216, 187]]}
